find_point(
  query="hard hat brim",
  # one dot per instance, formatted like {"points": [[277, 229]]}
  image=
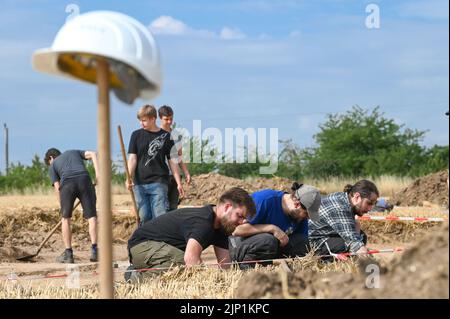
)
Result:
{"points": [[46, 61]]}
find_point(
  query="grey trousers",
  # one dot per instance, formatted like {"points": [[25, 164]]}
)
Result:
{"points": [[265, 246]]}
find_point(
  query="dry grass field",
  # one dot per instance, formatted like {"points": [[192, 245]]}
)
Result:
{"points": [[25, 219]]}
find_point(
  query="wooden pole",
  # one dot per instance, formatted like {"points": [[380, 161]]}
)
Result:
{"points": [[6, 149], [105, 213], [127, 174]]}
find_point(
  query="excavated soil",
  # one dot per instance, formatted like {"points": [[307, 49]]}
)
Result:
{"points": [[432, 188], [207, 188], [421, 272], [395, 232], [22, 232]]}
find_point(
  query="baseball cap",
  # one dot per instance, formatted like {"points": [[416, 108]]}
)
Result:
{"points": [[310, 197]]}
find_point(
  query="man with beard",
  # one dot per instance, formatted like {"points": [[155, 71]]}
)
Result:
{"points": [[336, 230], [180, 236], [279, 228]]}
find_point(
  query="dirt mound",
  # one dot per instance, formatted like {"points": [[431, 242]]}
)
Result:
{"points": [[421, 272], [9, 254], [393, 232], [432, 188], [278, 183], [207, 188], [26, 229]]}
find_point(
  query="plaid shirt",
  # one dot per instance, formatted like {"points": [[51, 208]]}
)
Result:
{"points": [[335, 219]]}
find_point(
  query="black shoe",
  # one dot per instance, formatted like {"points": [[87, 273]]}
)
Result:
{"points": [[94, 255], [132, 276], [66, 257]]}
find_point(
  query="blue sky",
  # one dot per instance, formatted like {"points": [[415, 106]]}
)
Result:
{"points": [[251, 63]]}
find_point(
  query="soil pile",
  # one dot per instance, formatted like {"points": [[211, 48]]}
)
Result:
{"points": [[393, 232], [27, 228], [432, 188], [207, 188], [421, 272]]}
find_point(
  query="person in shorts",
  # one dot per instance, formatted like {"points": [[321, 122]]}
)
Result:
{"points": [[71, 180]]}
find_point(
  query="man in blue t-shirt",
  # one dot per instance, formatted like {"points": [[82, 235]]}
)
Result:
{"points": [[279, 228]]}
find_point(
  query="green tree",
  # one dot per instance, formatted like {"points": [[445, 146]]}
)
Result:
{"points": [[364, 143], [437, 159], [197, 150], [20, 177], [291, 161], [235, 169]]}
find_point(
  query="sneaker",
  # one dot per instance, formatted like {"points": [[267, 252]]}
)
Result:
{"points": [[131, 276], [94, 255], [65, 258]]}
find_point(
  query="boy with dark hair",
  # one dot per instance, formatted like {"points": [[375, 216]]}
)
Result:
{"points": [[180, 236], [165, 113], [71, 180], [150, 149]]}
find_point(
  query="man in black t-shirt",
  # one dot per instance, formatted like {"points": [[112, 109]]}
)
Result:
{"points": [[165, 113], [148, 150], [180, 236], [71, 180]]}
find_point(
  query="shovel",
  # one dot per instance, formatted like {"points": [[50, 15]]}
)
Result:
{"points": [[28, 257], [127, 172]]}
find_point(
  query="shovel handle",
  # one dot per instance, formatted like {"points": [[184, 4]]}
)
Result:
{"points": [[125, 163], [53, 230]]}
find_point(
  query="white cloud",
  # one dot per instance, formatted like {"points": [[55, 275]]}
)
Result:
{"points": [[231, 34], [168, 25]]}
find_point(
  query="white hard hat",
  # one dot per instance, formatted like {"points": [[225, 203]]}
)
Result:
{"points": [[127, 45]]}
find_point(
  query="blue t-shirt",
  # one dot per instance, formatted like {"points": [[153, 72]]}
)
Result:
{"points": [[270, 211]]}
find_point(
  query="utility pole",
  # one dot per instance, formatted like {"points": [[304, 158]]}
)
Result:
{"points": [[6, 149]]}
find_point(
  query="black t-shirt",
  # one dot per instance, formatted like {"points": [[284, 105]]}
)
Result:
{"points": [[69, 164], [152, 149], [178, 226]]}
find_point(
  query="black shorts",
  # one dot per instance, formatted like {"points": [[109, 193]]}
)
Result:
{"points": [[78, 187]]}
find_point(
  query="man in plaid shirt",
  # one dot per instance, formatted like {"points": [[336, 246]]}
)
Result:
{"points": [[336, 230]]}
